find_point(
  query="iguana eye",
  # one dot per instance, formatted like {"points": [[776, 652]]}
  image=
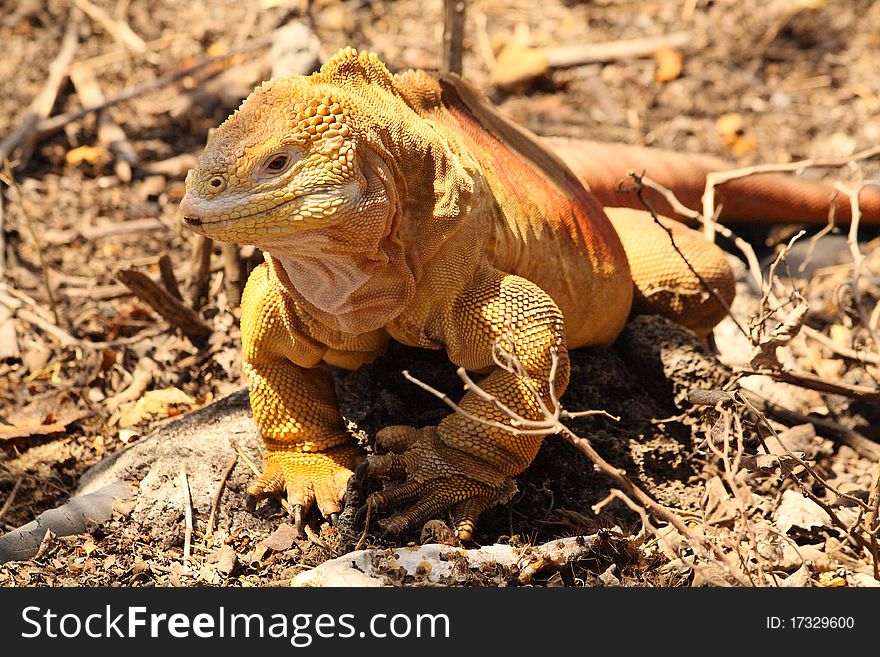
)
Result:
{"points": [[277, 163]]}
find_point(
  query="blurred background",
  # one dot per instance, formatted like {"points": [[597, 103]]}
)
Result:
{"points": [[104, 105]]}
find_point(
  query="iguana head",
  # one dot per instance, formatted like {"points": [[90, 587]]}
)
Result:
{"points": [[291, 158]]}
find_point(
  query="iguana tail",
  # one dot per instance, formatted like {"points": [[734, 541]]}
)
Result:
{"points": [[761, 198]]}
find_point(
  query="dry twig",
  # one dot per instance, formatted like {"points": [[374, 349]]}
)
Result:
{"points": [[166, 273], [711, 290], [110, 133], [852, 240], [200, 269], [233, 273], [716, 178], [164, 303], [453, 35], [119, 30], [188, 517], [52, 125], [845, 352], [215, 500], [9, 178], [26, 134], [551, 423], [9, 500]]}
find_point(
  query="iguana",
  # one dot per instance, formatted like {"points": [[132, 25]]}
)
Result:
{"points": [[405, 207]]}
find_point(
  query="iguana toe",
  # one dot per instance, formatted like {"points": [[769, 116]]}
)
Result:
{"points": [[433, 483], [305, 478]]}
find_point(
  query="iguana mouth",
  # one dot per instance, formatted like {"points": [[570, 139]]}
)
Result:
{"points": [[193, 218], [317, 204]]}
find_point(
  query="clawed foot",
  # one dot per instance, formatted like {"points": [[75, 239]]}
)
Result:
{"points": [[305, 478], [435, 478]]}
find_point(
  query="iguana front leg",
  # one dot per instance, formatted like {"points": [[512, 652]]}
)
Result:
{"points": [[308, 455], [465, 464]]}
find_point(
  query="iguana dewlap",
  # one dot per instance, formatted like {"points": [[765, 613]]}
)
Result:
{"points": [[405, 207]]}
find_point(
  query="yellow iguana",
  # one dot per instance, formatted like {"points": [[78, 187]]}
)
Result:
{"points": [[405, 207]]}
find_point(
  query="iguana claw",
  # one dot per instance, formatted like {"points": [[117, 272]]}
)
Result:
{"points": [[306, 478], [432, 484]]}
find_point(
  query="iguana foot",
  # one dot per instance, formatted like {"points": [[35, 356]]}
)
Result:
{"points": [[307, 477], [436, 477]]}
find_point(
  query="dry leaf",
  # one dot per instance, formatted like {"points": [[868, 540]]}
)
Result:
{"points": [[154, 402], [731, 127], [718, 507], [517, 64], [217, 49], [798, 579], [840, 335], [12, 432], [764, 355], [281, 539], [831, 580], [742, 145], [669, 62], [88, 154], [795, 510], [863, 579], [125, 435]]}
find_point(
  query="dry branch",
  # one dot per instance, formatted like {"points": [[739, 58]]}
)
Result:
{"points": [[27, 132], [852, 240], [551, 424], [716, 178], [119, 30], [813, 382], [215, 500], [9, 500], [200, 269], [517, 64], [233, 273], [52, 125], [853, 439], [110, 134], [164, 303], [9, 178], [453, 35], [845, 352], [188, 517], [166, 273]]}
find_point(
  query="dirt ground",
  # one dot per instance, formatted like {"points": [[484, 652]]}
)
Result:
{"points": [[90, 368]]}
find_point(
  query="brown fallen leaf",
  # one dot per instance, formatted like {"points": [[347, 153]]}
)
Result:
{"points": [[764, 355], [795, 510], [732, 129], [87, 154], [669, 62], [12, 432], [831, 580], [281, 539], [153, 402], [798, 579]]}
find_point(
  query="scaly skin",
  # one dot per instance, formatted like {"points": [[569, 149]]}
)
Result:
{"points": [[404, 207]]}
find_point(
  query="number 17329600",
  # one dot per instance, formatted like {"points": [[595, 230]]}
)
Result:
{"points": [[810, 623]]}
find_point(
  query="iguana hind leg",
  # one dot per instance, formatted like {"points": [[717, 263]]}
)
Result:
{"points": [[467, 462], [664, 283], [308, 455]]}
